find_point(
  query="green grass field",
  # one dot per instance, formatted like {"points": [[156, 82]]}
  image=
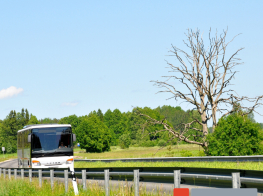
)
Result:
{"points": [[24, 187], [223, 165], [138, 152], [143, 152], [7, 157]]}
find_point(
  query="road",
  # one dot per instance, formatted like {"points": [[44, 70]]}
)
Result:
{"points": [[9, 164]]}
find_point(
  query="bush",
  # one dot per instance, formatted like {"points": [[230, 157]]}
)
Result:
{"points": [[133, 142], [186, 153], [148, 143], [235, 135], [93, 134], [201, 154], [125, 141], [9, 148], [162, 143]]}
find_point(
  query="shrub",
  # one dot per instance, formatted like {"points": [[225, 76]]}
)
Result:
{"points": [[125, 141], [133, 142], [148, 143], [162, 143], [234, 135], [186, 153], [169, 148], [93, 134], [9, 148], [201, 154]]}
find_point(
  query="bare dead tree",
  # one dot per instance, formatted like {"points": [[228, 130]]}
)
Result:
{"points": [[206, 74], [175, 131]]}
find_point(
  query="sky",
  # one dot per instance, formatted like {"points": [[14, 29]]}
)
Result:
{"points": [[60, 58]]}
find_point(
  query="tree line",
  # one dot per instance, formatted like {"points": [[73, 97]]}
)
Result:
{"points": [[111, 128]]}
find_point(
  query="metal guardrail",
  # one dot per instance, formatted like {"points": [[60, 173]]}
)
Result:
{"points": [[256, 158], [208, 177]]}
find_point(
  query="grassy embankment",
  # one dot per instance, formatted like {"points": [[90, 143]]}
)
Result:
{"points": [[24, 187], [142, 152], [7, 156]]}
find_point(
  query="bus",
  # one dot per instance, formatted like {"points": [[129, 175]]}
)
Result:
{"points": [[45, 146]]}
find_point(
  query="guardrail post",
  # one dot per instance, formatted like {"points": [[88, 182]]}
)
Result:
{"points": [[30, 175], [136, 182], [40, 177], [15, 173], [106, 181], [66, 179], [4, 172], [9, 174], [52, 178], [236, 180], [177, 178], [22, 174], [84, 177]]}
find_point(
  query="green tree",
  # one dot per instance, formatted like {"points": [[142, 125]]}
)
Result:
{"points": [[100, 115], [9, 148], [27, 116], [9, 127], [125, 141], [235, 135], [74, 121], [33, 120], [116, 123], [49, 121], [94, 134]]}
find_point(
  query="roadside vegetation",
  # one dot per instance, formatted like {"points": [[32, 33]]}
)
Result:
{"points": [[185, 150], [8, 157], [142, 152], [24, 187], [222, 165]]}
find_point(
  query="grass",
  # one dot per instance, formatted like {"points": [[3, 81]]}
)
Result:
{"points": [[24, 187], [7, 157], [138, 152], [223, 165], [143, 152]]}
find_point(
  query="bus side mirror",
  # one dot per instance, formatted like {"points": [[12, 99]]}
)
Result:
{"points": [[74, 137], [29, 138]]}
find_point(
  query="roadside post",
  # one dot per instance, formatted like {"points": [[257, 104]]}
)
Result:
{"points": [[3, 149]]}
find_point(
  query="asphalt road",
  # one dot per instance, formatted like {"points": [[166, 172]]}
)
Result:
{"points": [[9, 164]]}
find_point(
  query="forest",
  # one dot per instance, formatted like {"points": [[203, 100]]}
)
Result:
{"points": [[97, 131]]}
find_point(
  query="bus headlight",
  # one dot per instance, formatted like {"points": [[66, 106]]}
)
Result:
{"points": [[36, 163], [69, 161]]}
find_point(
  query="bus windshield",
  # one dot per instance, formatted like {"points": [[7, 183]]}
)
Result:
{"points": [[52, 141]]}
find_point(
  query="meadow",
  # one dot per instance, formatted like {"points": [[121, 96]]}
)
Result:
{"points": [[4, 157], [144, 152], [223, 165], [25, 187], [140, 152]]}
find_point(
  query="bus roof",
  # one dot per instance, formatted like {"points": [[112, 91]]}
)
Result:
{"points": [[43, 126]]}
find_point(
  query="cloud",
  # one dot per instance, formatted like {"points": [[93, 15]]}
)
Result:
{"points": [[72, 104], [10, 92]]}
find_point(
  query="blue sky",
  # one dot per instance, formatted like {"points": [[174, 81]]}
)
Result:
{"points": [[60, 58]]}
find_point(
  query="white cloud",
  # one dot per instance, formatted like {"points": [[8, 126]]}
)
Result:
{"points": [[72, 104], [10, 92]]}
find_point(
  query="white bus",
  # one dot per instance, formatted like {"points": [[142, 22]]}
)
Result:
{"points": [[45, 146]]}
